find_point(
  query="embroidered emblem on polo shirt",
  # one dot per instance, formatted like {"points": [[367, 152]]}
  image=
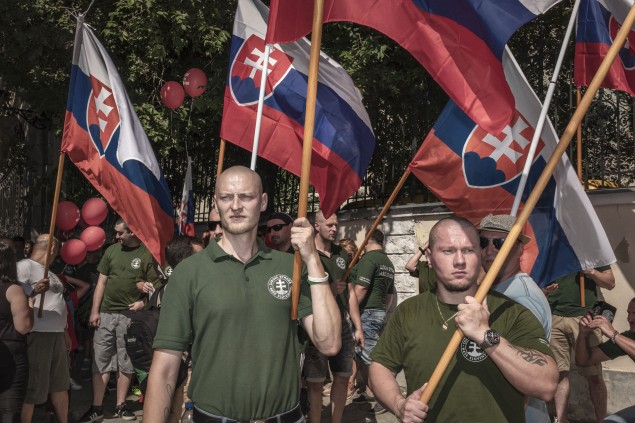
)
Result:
{"points": [[471, 352], [280, 286], [168, 271], [341, 263], [135, 263]]}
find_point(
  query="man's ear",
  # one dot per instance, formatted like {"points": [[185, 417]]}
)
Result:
{"points": [[428, 254], [263, 201]]}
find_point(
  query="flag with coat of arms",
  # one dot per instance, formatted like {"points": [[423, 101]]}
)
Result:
{"points": [[343, 139], [476, 173], [459, 42], [598, 24], [105, 140]]}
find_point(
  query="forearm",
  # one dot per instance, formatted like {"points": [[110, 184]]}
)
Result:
{"points": [[98, 294], [353, 309], [529, 371], [384, 385], [161, 385], [604, 279], [413, 261], [326, 323]]}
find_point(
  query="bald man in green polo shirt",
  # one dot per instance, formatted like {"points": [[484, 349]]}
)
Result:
{"points": [[232, 302]]}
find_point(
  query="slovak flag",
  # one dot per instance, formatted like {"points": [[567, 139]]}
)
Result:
{"points": [[598, 23], [459, 42], [105, 140], [186, 211], [475, 173], [343, 140]]}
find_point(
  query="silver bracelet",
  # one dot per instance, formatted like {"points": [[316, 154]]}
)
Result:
{"points": [[614, 336], [317, 281]]}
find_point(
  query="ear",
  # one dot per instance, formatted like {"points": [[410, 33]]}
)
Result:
{"points": [[263, 202], [428, 255]]}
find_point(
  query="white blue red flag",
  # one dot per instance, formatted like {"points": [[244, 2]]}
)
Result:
{"points": [[459, 42], [476, 173], [343, 140], [105, 140], [185, 220], [598, 23]]}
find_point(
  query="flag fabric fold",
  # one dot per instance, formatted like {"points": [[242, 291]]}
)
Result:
{"points": [[460, 43], [598, 23], [476, 173], [185, 220], [343, 138], [105, 140]]}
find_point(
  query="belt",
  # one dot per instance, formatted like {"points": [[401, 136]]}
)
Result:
{"points": [[289, 417]]}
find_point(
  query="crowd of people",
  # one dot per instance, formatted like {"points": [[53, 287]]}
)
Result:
{"points": [[221, 336]]}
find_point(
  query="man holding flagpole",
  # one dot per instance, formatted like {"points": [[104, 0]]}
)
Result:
{"points": [[236, 290]]}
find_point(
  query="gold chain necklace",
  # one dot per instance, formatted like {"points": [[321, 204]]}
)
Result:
{"points": [[444, 326]]}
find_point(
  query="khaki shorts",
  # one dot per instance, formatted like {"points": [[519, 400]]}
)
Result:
{"points": [[564, 332], [48, 366], [110, 346]]}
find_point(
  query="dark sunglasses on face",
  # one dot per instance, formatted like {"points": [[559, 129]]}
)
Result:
{"points": [[277, 227], [497, 242], [212, 224]]}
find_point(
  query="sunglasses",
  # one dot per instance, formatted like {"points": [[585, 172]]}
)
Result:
{"points": [[496, 242], [277, 227], [212, 224]]}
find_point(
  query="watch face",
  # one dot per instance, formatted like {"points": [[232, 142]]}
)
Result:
{"points": [[492, 337]]}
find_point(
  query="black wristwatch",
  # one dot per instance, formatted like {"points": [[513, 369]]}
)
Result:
{"points": [[490, 339]]}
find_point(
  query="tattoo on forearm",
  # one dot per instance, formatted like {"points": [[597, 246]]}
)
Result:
{"points": [[530, 356], [166, 410]]}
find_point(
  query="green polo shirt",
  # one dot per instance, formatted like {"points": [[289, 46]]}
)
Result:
{"points": [[245, 349], [375, 272], [335, 266], [125, 266], [565, 301]]}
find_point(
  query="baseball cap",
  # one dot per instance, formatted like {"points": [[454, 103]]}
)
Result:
{"points": [[282, 216]]}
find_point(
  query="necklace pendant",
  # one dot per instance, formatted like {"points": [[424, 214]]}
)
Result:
{"points": [[444, 326]]}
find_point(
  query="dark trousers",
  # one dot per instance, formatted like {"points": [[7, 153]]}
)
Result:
{"points": [[14, 371]]}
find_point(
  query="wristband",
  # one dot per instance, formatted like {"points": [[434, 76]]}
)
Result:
{"points": [[614, 336], [318, 281]]}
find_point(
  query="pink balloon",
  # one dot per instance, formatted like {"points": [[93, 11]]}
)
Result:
{"points": [[73, 252], [67, 215], [195, 82], [172, 95], [94, 211], [94, 238]]}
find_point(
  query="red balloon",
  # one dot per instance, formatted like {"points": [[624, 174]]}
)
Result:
{"points": [[67, 215], [172, 95], [94, 238], [94, 211], [195, 82], [73, 252]]}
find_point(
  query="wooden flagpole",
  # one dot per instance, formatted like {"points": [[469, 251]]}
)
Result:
{"points": [[307, 146], [221, 158], [516, 229], [60, 171], [579, 168], [49, 246], [376, 223]]}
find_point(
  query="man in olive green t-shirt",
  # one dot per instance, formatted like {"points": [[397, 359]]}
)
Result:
{"points": [[316, 365], [126, 277], [375, 291], [567, 310], [503, 355], [232, 303]]}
